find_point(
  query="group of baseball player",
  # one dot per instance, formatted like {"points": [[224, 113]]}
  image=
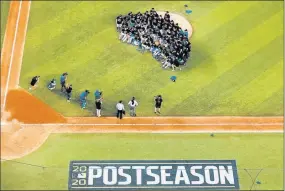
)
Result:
{"points": [[67, 90]]}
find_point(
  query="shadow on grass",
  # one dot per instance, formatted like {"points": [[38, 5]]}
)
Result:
{"points": [[108, 106], [198, 56]]}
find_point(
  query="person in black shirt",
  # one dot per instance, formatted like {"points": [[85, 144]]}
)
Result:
{"points": [[98, 104], [68, 92], [158, 102], [119, 21], [35, 80], [175, 64]]}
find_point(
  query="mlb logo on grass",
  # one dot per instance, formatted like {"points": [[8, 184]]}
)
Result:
{"points": [[153, 175]]}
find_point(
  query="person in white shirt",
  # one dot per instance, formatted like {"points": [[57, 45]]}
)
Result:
{"points": [[120, 109], [133, 104]]}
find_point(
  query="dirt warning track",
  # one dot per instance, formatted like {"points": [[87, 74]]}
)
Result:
{"points": [[22, 133]]}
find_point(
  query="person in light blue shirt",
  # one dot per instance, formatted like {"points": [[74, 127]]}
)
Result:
{"points": [[63, 79], [186, 33], [98, 94], [83, 98], [173, 78]]}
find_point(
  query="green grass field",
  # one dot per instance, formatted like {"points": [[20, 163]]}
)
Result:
{"points": [[251, 152], [4, 14], [236, 66]]}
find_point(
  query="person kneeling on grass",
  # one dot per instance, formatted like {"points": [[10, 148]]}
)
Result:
{"points": [[83, 99], [52, 84], [123, 36], [175, 64]]}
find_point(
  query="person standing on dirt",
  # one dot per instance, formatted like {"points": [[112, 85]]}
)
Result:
{"points": [[63, 79], [68, 92], [133, 104], [120, 109], [34, 82], [158, 102]]}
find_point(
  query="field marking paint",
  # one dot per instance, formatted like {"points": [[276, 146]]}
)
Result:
{"points": [[155, 124], [185, 117], [5, 35], [77, 163], [24, 41], [159, 187], [12, 55], [235, 131]]}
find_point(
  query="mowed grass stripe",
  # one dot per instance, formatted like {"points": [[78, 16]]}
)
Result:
{"points": [[76, 56], [226, 59], [60, 44], [246, 99], [125, 73], [219, 16], [210, 96], [116, 72], [42, 11], [64, 22], [271, 106], [227, 33]]}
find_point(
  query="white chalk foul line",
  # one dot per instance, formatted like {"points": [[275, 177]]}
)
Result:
{"points": [[12, 56], [237, 131], [157, 124], [24, 41]]}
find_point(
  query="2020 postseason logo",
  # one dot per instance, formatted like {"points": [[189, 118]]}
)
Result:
{"points": [[153, 175]]}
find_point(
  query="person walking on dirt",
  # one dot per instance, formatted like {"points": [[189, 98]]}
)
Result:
{"points": [[63, 79], [34, 82], [68, 92], [158, 102], [133, 104], [120, 109]]}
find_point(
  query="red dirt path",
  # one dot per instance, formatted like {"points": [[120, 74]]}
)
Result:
{"points": [[18, 140]]}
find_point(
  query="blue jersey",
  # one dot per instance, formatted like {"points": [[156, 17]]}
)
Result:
{"points": [[97, 94], [62, 78], [173, 78], [83, 96]]}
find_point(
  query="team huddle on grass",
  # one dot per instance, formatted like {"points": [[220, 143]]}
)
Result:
{"points": [[157, 34], [67, 90]]}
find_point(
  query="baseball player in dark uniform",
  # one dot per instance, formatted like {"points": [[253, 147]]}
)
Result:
{"points": [[68, 92], [35, 80], [98, 103], [158, 102]]}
